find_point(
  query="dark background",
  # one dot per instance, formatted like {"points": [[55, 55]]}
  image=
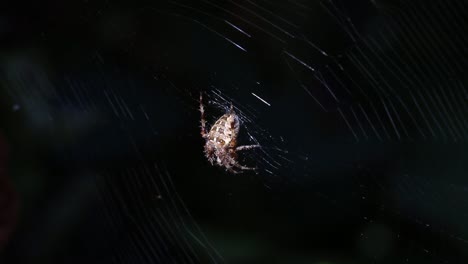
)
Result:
{"points": [[364, 139]]}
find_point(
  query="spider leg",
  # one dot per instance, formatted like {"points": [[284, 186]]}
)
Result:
{"points": [[237, 165], [247, 147], [233, 171], [203, 120]]}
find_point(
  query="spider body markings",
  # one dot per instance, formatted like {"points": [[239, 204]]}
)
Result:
{"points": [[221, 140]]}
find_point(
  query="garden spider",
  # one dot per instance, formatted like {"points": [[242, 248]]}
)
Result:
{"points": [[221, 140]]}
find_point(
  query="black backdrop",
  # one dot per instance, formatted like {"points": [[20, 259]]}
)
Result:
{"points": [[363, 128]]}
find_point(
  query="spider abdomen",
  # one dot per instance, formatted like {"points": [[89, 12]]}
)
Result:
{"points": [[224, 131]]}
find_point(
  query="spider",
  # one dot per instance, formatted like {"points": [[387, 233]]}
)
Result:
{"points": [[221, 140]]}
